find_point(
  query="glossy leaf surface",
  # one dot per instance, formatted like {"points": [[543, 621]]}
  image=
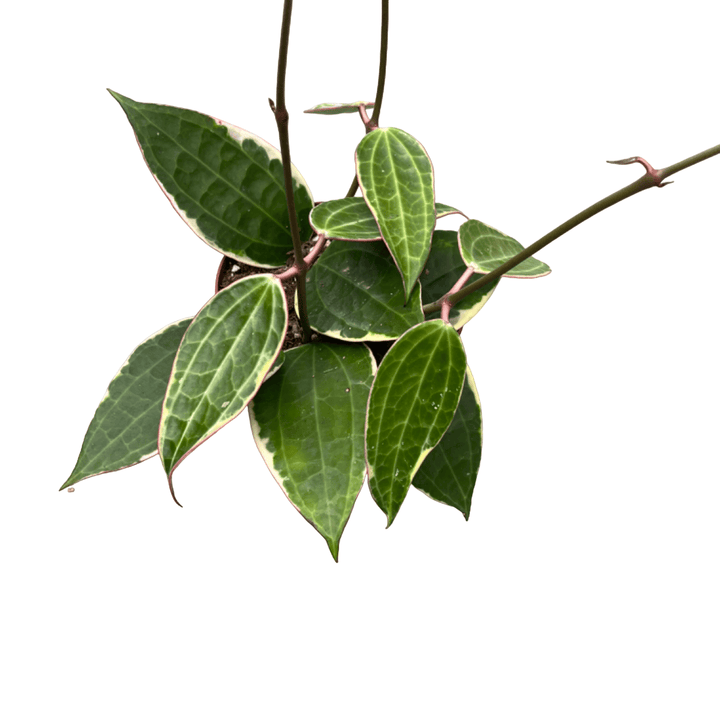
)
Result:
{"points": [[484, 248], [339, 108], [449, 472], [226, 353], [444, 266], [125, 427], [226, 183], [396, 179], [308, 421], [354, 293], [351, 219], [412, 403]]}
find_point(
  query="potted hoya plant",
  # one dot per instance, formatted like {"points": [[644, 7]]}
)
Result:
{"points": [[335, 325]]}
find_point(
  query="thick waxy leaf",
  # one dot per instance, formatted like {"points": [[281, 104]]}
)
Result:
{"points": [[484, 248], [339, 108], [226, 183], [396, 179], [449, 472], [308, 421], [226, 353], [444, 267], [412, 403], [354, 293], [125, 427], [352, 219]]}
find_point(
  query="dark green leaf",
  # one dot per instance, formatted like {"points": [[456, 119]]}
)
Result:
{"points": [[308, 422], [339, 108], [443, 269], [226, 353], [396, 179], [449, 472], [226, 183], [412, 403], [354, 293], [484, 248], [125, 427]]}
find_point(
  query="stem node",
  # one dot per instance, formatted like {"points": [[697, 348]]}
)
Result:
{"points": [[281, 118], [655, 175]]}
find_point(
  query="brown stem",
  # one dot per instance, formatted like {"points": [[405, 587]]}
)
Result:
{"points": [[382, 72], [282, 120], [651, 178]]}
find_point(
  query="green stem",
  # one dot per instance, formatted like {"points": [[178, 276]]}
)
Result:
{"points": [[382, 71], [282, 119], [650, 179]]}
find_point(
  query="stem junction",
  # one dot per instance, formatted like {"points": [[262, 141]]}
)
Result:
{"points": [[652, 178], [282, 119]]}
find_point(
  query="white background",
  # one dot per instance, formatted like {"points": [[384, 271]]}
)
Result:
{"points": [[585, 584]]}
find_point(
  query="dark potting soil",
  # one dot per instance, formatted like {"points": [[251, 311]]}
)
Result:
{"points": [[233, 270]]}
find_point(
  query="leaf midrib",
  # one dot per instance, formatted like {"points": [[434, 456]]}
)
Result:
{"points": [[217, 175], [363, 291], [206, 393], [414, 405]]}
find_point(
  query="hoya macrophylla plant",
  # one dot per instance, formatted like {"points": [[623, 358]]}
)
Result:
{"points": [[336, 324]]}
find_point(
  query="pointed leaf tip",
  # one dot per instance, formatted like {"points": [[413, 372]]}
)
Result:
{"points": [[123, 431], [225, 355], [396, 178], [172, 491], [449, 472], [412, 403], [308, 423], [226, 183]]}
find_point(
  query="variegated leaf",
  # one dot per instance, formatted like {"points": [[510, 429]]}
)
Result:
{"points": [[308, 421], [351, 219], [412, 403], [125, 427], [444, 266], [396, 179], [484, 248], [225, 183], [354, 293], [449, 472], [225, 355]]}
